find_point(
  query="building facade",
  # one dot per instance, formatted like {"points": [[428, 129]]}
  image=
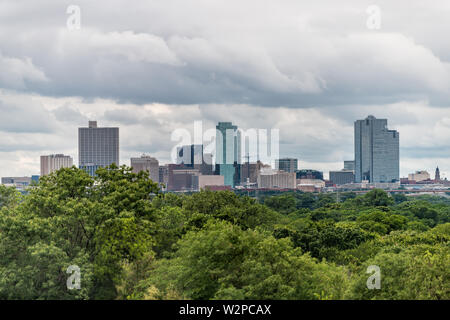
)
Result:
{"points": [[146, 163], [342, 177], [207, 181], [228, 152], [181, 178], [317, 183], [97, 147], [20, 183], [309, 174], [164, 175], [286, 164], [376, 151], [54, 162], [349, 165], [250, 172], [273, 179], [190, 155], [419, 176], [193, 156]]}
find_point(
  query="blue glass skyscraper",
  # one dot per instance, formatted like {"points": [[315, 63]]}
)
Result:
{"points": [[376, 151], [228, 152]]}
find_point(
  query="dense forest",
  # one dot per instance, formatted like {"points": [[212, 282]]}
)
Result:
{"points": [[132, 242]]}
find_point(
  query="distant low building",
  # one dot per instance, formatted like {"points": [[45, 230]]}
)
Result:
{"points": [[419, 176], [308, 188], [205, 181], [342, 177], [407, 181], [181, 178], [20, 183], [146, 163], [309, 174], [250, 172], [269, 179], [218, 188], [54, 162], [164, 174], [310, 182]]}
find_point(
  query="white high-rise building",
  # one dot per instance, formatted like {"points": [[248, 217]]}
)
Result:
{"points": [[97, 147]]}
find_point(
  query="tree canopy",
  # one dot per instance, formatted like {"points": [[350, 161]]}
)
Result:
{"points": [[130, 241]]}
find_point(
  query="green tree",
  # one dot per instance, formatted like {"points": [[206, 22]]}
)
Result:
{"points": [[222, 261], [72, 219]]}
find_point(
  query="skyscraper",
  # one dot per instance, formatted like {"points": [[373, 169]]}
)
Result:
{"points": [[192, 156], [54, 162], [228, 152], [97, 147], [376, 151]]}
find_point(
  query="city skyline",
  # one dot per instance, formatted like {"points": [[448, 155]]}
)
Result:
{"points": [[112, 135], [309, 69]]}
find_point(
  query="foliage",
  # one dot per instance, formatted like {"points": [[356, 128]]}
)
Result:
{"points": [[132, 242]]}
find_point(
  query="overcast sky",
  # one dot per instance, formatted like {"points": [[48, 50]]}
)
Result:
{"points": [[307, 68]]}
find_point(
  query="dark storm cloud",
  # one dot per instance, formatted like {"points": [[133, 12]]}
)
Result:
{"points": [[287, 53]]}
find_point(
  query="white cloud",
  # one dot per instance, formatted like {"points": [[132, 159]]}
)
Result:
{"points": [[307, 68], [16, 72]]}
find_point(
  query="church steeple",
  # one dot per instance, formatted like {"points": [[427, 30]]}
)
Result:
{"points": [[437, 176]]}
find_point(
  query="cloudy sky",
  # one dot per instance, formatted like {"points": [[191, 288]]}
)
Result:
{"points": [[307, 68]]}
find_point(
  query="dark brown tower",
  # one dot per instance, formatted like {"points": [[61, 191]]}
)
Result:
{"points": [[437, 176]]}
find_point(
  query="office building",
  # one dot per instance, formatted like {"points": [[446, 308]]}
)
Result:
{"points": [[376, 151], [342, 177], [419, 176], [97, 147], [309, 174], [274, 179], [192, 156], [228, 152], [146, 163], [286, 164], [250, 172], [349, 165], [164, 176], [316, 183], [20, 183], [181, 178], [17, 181], [54, 162], [207, 181]]}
